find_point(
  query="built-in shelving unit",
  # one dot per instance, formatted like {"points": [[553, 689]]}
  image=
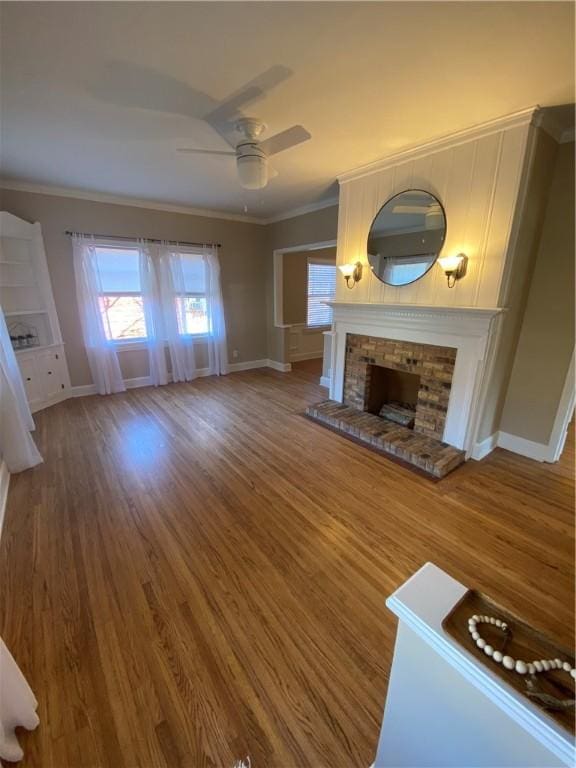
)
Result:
{"points": [[27, 302]]}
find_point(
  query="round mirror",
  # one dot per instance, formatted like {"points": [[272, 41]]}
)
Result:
{"points": [[406, 237]]}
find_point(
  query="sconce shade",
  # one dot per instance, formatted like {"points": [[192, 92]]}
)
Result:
{"points": [[451, 263], [454, 267], [352, 273], [347, 269]]}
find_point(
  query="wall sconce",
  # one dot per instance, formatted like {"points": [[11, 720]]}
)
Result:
{"points": [[454, 267], [352, 273]]}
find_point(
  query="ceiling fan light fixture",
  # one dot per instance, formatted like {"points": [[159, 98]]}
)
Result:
{"points": [[252, 171]]}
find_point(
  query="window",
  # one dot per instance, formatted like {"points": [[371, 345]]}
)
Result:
{"points": [[121, 301], [321, 288], [191, 305]]}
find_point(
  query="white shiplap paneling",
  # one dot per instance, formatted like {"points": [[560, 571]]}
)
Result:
{"points": [[477, 180]]}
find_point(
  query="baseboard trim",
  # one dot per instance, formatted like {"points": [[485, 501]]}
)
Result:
{"points": [[528, 448], [296, 357], [515, 444], [145, 381], [484, 447], [248, 366], [282, 367], [4, 483], [325, 381]]}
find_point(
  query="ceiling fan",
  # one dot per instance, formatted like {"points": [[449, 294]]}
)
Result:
{"points": [[433, 213], [252, 154]]}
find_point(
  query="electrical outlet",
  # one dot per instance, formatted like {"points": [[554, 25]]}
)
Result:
{"points": [[235, 353]]}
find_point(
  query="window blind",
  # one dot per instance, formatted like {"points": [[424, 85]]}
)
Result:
{"points": [[321, 288]]}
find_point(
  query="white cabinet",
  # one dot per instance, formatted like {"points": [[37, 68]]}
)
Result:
{"points": [[50, 372], [28, 304], [44, 374], [30, 379]]}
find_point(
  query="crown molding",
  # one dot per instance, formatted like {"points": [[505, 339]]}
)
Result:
{"points": [[302, 210], [134, 202], [153, 205], [523, 117]]}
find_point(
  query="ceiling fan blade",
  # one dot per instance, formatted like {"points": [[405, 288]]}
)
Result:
{"points": [[223, 116], [225, 152], [125, 84], [410, 209], [284, 140], [229, 109]]}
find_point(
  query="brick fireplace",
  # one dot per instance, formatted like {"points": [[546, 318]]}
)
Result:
{"points": [[395, 399], [441, 358], [379, 370]]}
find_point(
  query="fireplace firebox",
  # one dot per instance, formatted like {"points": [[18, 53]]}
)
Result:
{"points": [[392, 394], [416, 374]]}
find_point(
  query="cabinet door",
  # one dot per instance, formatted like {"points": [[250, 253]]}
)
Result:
{"points": [[50, 370], [31, 378]]}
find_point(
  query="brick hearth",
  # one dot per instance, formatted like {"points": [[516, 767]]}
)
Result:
{"points": [[427, 453]]}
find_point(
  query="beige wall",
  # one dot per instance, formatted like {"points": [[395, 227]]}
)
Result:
{"points": [[317, 227], [546, 339], [295, 283], [243, 259], [294, 280], [527, 230]]}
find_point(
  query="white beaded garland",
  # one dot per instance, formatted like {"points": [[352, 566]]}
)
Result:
{"points": [[519, 666]]}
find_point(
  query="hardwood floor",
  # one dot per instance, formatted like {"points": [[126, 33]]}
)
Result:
{"points": [[197, 572]]}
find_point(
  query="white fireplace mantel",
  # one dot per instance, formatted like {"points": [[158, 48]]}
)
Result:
{"points": [[469, 330]]}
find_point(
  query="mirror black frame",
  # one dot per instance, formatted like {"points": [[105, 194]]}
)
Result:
{"points": [[411, 189]]}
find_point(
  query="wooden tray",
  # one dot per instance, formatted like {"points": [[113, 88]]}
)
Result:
{"points": [[525, 643]]}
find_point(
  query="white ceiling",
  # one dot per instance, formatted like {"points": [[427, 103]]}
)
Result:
{"points": [[98, 96]]}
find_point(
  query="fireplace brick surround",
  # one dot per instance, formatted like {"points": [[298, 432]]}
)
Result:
{"points": [[365, 358], [433, 364]]}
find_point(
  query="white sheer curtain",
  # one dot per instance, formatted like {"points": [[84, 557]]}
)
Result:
{"points": [[152, 300], [17, 448], [172, 286], [217, 346], [172, 289], [17, 706], [101, 352]]}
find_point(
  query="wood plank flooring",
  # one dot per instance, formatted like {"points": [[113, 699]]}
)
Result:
{"points": [[198, 572]]}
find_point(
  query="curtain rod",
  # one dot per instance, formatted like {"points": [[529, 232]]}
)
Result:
{"points": [[135, 239]]}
